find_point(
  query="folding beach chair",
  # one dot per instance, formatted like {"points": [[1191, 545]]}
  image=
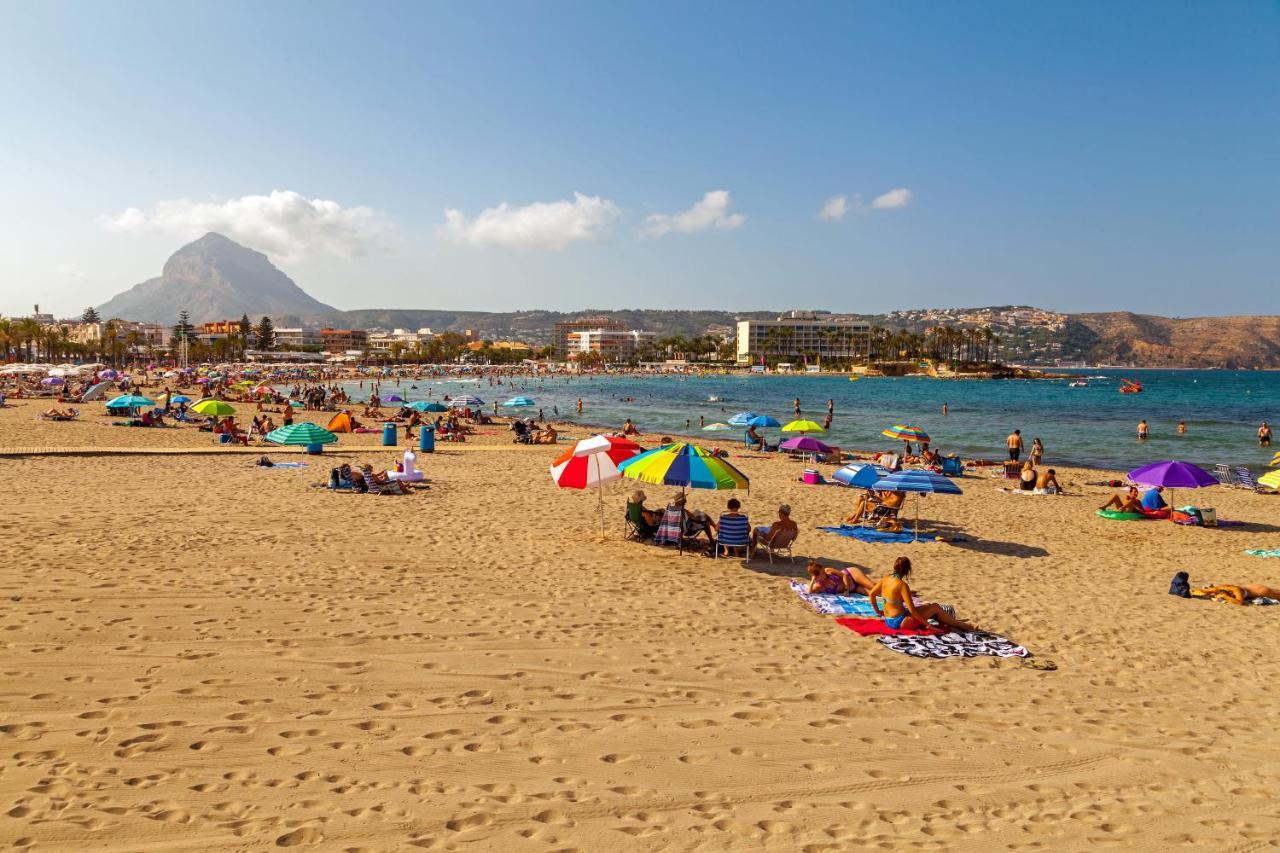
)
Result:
{"points": [[733, 532], [952, 466], [780, 545], [1223, 473], [1245, 480]]}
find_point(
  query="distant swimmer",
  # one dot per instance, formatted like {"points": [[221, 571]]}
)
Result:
{"points": [[944, 408], [796, 404], [1182, 427], [826, 422], [579, 405], [1143, 431]]}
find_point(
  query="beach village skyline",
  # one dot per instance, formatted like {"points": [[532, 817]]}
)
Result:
{"points": [[683, 496]]}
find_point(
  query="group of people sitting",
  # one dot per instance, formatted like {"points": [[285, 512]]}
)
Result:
{"points": [[528, 432], [365, 480], [1041, 482], [893, 591], [732, 530], [1148, 503], [878, 507]]}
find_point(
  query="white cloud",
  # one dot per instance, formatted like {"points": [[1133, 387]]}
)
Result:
{"points": [[900, 197], [711, 212], [285, 225], [835, 209], [551, 225]]}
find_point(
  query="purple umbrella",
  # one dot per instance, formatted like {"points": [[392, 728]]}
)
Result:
{"points": [[806, 444], [52, 381], [1173, 474]]}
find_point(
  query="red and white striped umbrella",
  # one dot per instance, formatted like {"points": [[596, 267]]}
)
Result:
{"points": [[593, 462]]}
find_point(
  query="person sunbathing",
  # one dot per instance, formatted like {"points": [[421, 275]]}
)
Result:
{"points": [[824, 580], [60, 415], [1236, 594], [1129, 502], [1048, 483], [1027, 479], [871, 500], [900, 610]]}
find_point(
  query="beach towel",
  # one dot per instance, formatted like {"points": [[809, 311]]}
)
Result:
{"points": [[834, 605], [281, 465], [950, 644], [1263, 552], [870, 534], [878, 628]]}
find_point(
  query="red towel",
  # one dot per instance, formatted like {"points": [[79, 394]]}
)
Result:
{"points": [[877, 627]]}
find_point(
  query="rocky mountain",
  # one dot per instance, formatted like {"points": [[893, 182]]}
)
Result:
{"points": [[1142, 340], [214, 278]]}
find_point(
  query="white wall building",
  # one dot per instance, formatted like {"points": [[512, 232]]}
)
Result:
{"points": [[799, 334], [611, 344]]}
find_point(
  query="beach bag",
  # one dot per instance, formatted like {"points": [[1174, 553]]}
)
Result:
{"points": [[1208, 516], [1181, 585]]}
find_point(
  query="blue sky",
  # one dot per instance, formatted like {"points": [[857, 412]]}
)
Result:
{"points": [[1078, 156]]}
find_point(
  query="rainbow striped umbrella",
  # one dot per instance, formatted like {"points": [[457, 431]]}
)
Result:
{"points": [[906, 433], [684, 465]]}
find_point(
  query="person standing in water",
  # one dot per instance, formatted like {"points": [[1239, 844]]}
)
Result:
{"points": [[1264, 435], [1014, 443], [944, 408], [1143, 430], [579, 405], [831, 407], [796, 405], [1182, 427]]}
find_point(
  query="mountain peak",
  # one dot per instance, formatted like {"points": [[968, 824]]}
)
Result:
{"points": [[214, 278]]}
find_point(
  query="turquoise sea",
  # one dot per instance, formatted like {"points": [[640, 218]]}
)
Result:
{"points": [[1094, 425]]}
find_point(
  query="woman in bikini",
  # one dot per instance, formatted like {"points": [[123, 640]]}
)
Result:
{"points": [[1241, 594], [824, 580], [899, 609]]}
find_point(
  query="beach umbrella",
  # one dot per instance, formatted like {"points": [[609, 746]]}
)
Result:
{"points": [[520, 402], [181, 398], [108, 374], [763, 421], [860, 474], [716, 427], [1275, 460], [129, 401], [304, 433], [742, 418], [466, 401], [1271, 480], [393, 398], [685, 465], [215, 408], [805, 444], [906, 432], [920, 482], [53, 381], [423, 406], [1173, 474], [803, 426], [593, 462]]}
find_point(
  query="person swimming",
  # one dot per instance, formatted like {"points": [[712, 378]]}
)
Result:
{"points": [[900, 610]]}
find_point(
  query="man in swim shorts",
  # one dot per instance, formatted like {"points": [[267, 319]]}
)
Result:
{"points": [[1014, 443]]}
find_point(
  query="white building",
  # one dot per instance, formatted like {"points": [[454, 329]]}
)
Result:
{"points": [[296, 338], [611, 344], [799, 334], [381, 341]]}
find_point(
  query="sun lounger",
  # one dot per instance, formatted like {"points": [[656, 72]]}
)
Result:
{"points": [[1245, 480]]}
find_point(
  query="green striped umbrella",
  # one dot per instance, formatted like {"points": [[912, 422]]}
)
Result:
{"points": [[303, 432]]}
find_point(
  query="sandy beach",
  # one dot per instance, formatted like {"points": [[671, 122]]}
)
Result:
{"points": [[203, 655]]}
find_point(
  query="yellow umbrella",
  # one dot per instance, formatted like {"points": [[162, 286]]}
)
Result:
{"points": [[1270, 480], [803, 426]]}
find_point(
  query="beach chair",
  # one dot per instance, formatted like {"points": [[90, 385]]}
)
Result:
{"points": [[733, 532], [1223, 473], [1245, 480], [952, 466], [780, 546], [671, 528]]}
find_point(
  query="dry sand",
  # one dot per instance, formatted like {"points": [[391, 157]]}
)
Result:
{"points": [[199, 655]]}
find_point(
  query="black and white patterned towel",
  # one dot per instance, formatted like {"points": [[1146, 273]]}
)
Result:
{"points": [[955, 644]]}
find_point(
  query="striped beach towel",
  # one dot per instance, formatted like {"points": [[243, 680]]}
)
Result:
{"points": [[834, 605], [671, 528]]}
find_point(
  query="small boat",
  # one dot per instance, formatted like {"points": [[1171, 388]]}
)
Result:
{"points": [[712, 398], [1079, 383], [1128, 386]]}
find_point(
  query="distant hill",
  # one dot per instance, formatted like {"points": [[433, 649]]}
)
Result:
{"points": [[1142, 340], [214, 278]]}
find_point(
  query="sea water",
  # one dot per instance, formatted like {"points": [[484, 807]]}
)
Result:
{"points": [[1094, 425]]}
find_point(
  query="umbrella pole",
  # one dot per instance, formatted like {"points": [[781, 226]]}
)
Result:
{"points": [[917, 537]]}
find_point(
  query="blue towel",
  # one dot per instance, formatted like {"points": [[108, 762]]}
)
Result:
{"points": [[870, 534]]}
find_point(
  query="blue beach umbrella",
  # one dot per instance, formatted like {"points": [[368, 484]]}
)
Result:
{"points": [[129, 401], [860, 475], [764, 421], [920, 482], [181, 398], [742, 418], [424, 406], [520, 402]]}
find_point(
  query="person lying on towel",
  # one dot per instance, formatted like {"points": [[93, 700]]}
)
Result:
{"points": [[1242, 594], [824, 580]]}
